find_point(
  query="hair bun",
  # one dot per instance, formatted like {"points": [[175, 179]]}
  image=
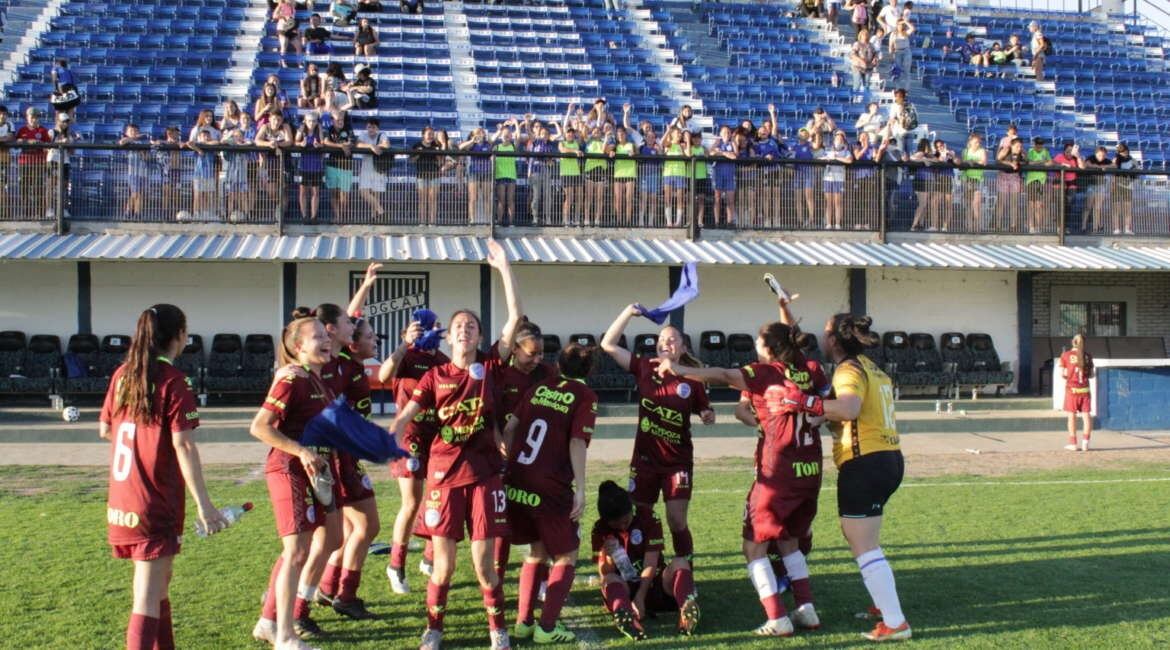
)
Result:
{"points": [[301, 312]]}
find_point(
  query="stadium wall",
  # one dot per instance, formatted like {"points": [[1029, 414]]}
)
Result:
{"points": [[1147, 297], [39, 298]]}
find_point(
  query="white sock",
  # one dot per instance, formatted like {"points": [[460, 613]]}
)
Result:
{"points": [[879, 581], [763, 577], [306, 593], [796, 566]]}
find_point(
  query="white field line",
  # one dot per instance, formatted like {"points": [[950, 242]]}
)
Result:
{"points": [[980, 484]]}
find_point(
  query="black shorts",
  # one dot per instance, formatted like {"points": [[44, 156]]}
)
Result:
{"points": [[597, 175], [571, 181], [702, 187], [864, 484], [312, 178], [1036, 191]]}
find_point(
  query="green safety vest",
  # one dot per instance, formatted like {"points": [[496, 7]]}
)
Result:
{"points": [[506, 165], [569, 166], [625, 168], [677, 167]]}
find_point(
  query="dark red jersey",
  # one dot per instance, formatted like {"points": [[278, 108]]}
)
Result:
{"points": [[353, 383], [295, 400], [643, 536], [146, 499], [790, 453], [550, 416], [1075, 380], [412, 367], [512, 385], [665, 406], [464, 451]]}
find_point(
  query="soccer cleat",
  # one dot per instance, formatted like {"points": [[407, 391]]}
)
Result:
{"points": [[776, 627], [1072, 446], [1085, 445], [806, 616], [523, 630], [397, 578], [431, 640], [500, 640], [774, 286], [265, 630], [559, 634], [307, 628], [688, 616], [355, 609], [882, 632], [627, 623], [323, 599], [871, 613], [425, 568]]}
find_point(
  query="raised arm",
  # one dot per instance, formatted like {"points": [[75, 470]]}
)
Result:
{"points": [[731, 376], [609, 342], [389, 368], [498, 259], [359, 297]]}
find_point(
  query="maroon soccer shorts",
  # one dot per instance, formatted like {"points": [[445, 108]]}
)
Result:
{"points": [[646, 482], [555, 530], [353, 484], [151, 549], [480, 508], [1078, 402], [770, 514], [294, 507]]}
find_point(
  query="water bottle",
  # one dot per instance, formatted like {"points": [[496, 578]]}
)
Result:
{"points": [[937, 406], [618, 554], [231, 513]]}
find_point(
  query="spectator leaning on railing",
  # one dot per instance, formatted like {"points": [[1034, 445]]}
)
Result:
{"points": [[31, 165], [311, 167], [7, 137], [1069, 158], [427, 163], [541, 176], [1009, 183], [137, 172], [1035, 183], [372, 165]]}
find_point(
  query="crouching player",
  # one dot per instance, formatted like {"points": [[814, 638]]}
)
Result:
{"points": [[627, 546], [782, 501], [547, 437]]}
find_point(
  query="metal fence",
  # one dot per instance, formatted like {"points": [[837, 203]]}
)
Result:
{"points": [[171, 183]]}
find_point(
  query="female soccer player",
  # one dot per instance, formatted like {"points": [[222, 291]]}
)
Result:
{"points": [[783, 499], [663, 459], [1076, 366], [293, 400], [150, 414], [868, 459], [547, 440], [627, 548], [465, 490]]}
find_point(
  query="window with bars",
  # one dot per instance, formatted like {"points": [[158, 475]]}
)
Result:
{"points": [[1092, 319]]}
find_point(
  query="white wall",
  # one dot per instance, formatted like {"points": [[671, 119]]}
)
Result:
{"points": [[947, 301], [39, 297], [241, 298], [734, 299]]}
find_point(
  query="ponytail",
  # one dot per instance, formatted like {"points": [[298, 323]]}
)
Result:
{"points": [[327, 312], [613, 501], [1078, 343], [853, 333], [290, 339], [782, 342], [157, 327]]}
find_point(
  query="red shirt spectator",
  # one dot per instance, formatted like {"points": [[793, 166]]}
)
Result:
{"points": [[1070, 158], [32, 131]]}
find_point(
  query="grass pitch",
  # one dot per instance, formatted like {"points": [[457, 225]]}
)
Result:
{"points": [[1043, 560]]}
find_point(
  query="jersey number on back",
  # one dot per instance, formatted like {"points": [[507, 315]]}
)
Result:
{"points": [[535, 439], [123, 451]]}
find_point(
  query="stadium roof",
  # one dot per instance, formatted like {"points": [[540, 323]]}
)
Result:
{"points": [[576, 250]]}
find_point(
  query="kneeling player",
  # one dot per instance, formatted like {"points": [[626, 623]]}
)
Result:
{"points": [[627, 546], [783, 500], [547, 437]]}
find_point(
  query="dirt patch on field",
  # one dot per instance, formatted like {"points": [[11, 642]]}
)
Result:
{"points": [[1017, 462]]}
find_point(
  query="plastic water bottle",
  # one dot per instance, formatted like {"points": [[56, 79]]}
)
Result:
{"points": [[624, 566], [231, 513]]}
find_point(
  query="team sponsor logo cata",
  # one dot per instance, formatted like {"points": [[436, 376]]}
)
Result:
{"points": [[117, 517], [523, 497], [466, 407], [667, 415], [805, 469]]}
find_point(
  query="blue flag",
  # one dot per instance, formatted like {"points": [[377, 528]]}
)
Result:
{"points": [[432, 336], [688, 290], [341, 427]]}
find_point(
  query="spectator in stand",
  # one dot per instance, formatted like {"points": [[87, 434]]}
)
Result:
{"points": [[334, 80], [682, 121], [203, 180], [834, 179], [702, 180], [859, 15], [871, 121], [343, 12], [570, 172], [317, 36], [411, 6], [58, 159], [285, 17], [900, 49], [725, 150], [1096, 189], [769, 150], [365, 39], [1069, 158], [676, 146], [973, 53], [863, 60], [204, 122], [371, 178], [369, 6], [31, 164], [812, 8], [1012, 133], [596, 176], [625, 174], [235, 178], [310, 87], [944, 171], [363, 90], [277, 136], [63, 81], [541, 176], [973, 154], [504, 150], [649, 178], [231, 116], [1039, 47], [805, 177], [427, 165], [866, 188], [7, 137], [248, 129], [921, 183], [821, 123], [168, 161], [1123, 191], [339, 139], [1034, 183], [312, 166], [1009, 185], [949, 45], [479, 182], [598, 115], [887, 20], [267, 103], [137, 172]]}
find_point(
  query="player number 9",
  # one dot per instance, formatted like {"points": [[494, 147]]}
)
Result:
{"points": [[535, 439], [123, 453]]}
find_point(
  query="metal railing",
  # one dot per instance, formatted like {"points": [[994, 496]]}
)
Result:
{"points": [[298, 186]]}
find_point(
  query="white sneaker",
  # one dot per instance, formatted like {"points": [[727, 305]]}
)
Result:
{"points": [[776, 627], [1070, 447], [500, 640], [431, 640], [1085, 445], [265, 630], [397, 583], [425, 568], [806, 616]]}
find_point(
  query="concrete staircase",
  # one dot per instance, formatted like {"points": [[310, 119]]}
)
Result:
{"points": [[463, 75], [690, 24], [24, 23]]}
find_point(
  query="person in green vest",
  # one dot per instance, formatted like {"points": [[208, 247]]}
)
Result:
{"points": [[596, 176], [625, 172], [570, 169], [973, 154], [677, 148], [699, 173], [1036, 184], [505, 174]]}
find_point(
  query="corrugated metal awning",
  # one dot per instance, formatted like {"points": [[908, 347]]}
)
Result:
{"points": [[577, 250]]}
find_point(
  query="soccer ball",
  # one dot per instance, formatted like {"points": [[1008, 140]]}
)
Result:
{"points": [[70, 414], [183, 216], [236, 216]]}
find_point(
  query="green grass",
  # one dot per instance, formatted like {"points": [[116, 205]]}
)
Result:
{"points": [[980, 563]]}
